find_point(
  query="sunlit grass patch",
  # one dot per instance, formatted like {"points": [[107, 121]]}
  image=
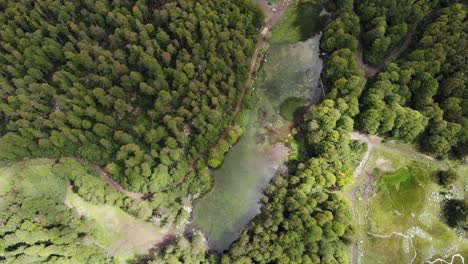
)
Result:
{"points": [[297, 24], [107, 218], [384, 251], [123, 235], [393, 180]]}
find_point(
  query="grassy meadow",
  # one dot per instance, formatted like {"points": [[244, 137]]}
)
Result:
{"points": [[403, 197]]}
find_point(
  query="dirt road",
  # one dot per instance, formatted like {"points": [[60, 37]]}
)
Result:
{"points": [[376, 141], [364, 185], [106, 178], [272, 16]]}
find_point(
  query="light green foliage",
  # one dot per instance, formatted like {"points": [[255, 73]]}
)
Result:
{"points": [[183, 251], [216, 154]]}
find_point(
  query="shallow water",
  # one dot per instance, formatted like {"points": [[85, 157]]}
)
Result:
{"points": [[289, 70]]}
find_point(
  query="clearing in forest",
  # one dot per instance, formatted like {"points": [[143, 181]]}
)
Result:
{"points": [[122, 234], [397, 205]]}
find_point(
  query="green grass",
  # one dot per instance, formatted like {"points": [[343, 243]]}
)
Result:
{"points": [[297, 24], [120, 233], [406, 201], [393, 180], [107, 218], [123, 235]]}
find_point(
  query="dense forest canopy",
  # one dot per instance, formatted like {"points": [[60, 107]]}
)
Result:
{"points": [[424, 95], [131, 85], [143, 87], [387, 23]]}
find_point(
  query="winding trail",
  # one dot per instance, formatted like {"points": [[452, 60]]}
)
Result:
{"points": [[446, 262], [371, 70], [272, 18], [102, 172]]}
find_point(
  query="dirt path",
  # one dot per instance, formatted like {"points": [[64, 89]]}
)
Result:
{"points": [[272, 18], [376, 142], [102, 172], [452, 260], [106, 178], [363, 162], [365, 186], [371, 70]]}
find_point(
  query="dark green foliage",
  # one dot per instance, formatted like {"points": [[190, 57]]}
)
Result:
{"points": [[387, 22], [424, 96], [456, 214], [133, 85], [447, 177]]}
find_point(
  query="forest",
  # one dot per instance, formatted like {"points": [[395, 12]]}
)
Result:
{"points": [[140, 88], [387, 23], [136, 87], [36, 225], [423, 97], [144, 89]]}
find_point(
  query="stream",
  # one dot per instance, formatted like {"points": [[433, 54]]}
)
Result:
{"points": [[290, 70]]}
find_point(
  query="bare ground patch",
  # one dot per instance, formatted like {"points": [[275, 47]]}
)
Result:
{"points": [[384, 165]]}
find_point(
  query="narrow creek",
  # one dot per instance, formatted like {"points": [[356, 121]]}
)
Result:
{"points": [[290, 70]]}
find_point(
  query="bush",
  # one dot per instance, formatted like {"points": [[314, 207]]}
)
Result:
{"points": [[456, 214], [447, 177]]}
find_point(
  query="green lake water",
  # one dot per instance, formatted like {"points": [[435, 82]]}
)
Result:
{"points": [[289, 70]]}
